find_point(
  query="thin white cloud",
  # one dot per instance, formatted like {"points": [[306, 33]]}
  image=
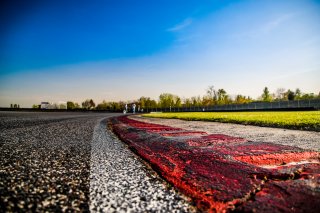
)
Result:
{"points": [[273, 24], [181, 25], [266, 27]]}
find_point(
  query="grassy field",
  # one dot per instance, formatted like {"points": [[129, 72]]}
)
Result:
{"points": [[303, 120]]}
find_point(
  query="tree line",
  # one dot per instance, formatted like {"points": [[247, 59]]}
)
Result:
{"points": [[210, 98], [15, 106]]}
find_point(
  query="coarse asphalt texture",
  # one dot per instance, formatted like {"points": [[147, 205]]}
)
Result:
{"points": [[55, 161]]}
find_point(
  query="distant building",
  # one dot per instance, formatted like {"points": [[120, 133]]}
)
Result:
{"points": [[45, 105], [59, 105]]}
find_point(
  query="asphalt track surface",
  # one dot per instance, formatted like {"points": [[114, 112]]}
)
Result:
{"points": [[70, 162]]}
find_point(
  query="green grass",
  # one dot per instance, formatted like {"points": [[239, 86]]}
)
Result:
{"points": [[303, 120]]}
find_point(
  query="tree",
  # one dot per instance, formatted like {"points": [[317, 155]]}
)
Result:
{"points": [[307, 96], [151, 104], [70, 105], [103, 106], [114, 106], [92, 104], [62, 106], [36, 106], [53, 106], [206, 101], [222, 96], [266, 95], [187, 102], [211, 95], [280, 93], [240, 99], [167, 100], [178, 102], [142, 102], [146, 103], [196, 101], [290, 95], [298, 93], [88, 104]]}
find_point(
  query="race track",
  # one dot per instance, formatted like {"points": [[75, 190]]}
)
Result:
{"points": [[69, 161]]}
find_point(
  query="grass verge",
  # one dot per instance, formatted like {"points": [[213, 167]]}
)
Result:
{"points": [[301, 120]]}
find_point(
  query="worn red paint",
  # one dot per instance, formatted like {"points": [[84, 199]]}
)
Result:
{"points": [[215, 139], [221, 172], [277, 158], [182, 133], [285, 196]]}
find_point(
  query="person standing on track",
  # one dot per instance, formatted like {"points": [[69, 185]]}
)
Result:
{"points": [[125, 109], [133, 108]]}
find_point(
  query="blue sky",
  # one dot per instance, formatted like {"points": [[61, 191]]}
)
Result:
{"points": [[122, 50]]}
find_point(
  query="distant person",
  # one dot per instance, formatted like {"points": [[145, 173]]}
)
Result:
{"points": [[126, 108], [134, 108]]}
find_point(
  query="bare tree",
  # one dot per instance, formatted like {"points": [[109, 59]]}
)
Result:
{"points": [[211, 95], [88, 104], [280, 93]]}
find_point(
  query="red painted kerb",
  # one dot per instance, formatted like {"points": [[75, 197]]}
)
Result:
{"points": [[224, 173]]}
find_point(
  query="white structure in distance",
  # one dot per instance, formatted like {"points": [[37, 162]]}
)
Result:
{"points": [[48, 105]]}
